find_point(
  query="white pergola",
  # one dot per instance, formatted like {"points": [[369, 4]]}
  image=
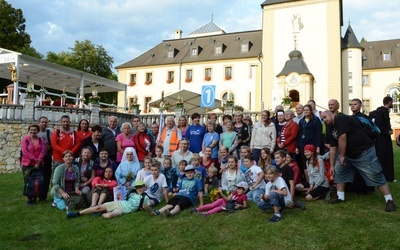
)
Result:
{"points": [[53, 76]]}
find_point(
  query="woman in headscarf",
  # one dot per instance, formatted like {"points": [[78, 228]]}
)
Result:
{"points": [[128, 168]]}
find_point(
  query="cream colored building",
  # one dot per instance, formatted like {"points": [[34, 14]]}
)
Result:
{"points": [[300, 52]]}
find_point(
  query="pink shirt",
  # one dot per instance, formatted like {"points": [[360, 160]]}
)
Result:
{"points": [[31, 153], [124, 143]]}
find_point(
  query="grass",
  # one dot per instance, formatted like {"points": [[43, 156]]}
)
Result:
{"points": [[360, 223]]}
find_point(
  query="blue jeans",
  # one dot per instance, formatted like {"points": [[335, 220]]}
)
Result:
{"points": [[275, 199], [254, 195], [256, 154], [60, 203]]}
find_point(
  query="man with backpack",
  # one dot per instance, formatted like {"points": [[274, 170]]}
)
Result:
{"points": [[45, 133], [62, 139], [357, 154]]}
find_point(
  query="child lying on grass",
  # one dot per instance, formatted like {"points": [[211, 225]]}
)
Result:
{"points": [[116, 208]]}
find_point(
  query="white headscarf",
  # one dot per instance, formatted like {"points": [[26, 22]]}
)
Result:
{"points": [[130, 149]]}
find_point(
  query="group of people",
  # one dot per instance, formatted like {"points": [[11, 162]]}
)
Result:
{"points": [[266, 163]]}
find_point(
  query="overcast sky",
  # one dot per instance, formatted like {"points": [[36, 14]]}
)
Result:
{"points": [[128, 28]]}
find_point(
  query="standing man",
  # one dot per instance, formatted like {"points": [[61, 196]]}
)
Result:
{"points": [[135, 124], [299, 113], [195, 134], [357, 153], [45, 134], [108, 136], [334, 106], [170, 137], [383, 143], [62, 139], [313, 105]]}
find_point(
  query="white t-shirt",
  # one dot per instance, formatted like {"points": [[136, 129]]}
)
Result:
{"points": [[251, 177], [279, 184], [155, 187]]}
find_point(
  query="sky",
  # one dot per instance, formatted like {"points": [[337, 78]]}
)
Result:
{"points": [[128, 28]]}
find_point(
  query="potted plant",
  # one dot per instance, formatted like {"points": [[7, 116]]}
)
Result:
{"points": [[47, 101], [207, 78], [228, 78], [131, 84], [94, 99], [170, 80], [187, 80], [148, 82]]}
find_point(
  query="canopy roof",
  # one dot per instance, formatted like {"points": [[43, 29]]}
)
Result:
{"points": [[54, 76], [191, 101]]}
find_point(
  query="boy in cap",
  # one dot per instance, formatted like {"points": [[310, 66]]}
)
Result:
{"points": [[135, 201], [189, 187]]}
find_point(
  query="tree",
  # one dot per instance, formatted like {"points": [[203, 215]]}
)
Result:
{"points": [[90, 58], [363, 40], [12, 30], [86, 57]]}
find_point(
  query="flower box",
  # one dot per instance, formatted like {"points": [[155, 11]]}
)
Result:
{"points": [[131, 84], [207, 78], [187, 80], [147, 82], [228, 78], [170, 80]]}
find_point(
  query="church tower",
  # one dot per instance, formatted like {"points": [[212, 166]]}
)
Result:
{"points": [[312, 27], [351, 68]]}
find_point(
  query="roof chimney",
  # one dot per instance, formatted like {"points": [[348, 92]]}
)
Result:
{"points": [[178, 34]]}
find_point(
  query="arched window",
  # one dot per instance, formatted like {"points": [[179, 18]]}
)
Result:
{"points": [[393, 92]]}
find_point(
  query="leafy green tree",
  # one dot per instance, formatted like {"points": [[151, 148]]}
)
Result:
{"points": [[90, 58], [363, 40], [12, 30]]}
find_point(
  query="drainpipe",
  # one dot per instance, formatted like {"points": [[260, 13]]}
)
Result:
{"points": [[261, 79]]}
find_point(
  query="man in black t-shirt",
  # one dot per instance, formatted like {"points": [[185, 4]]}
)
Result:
{"points": [[357, 153]]}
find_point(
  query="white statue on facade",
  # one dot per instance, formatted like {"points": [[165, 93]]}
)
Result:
{"points": [[297, 24]]}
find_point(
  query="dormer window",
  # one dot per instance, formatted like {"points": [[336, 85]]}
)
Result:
{"points": [[195, 50], [386, 56], [219, 48], [245, 46], [172, 52]]}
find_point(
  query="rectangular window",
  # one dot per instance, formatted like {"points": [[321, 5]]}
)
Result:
{"points": [[149, 78], [365, 80], [207, 74], [366, 106], [189, 75], [132, 78], [350, 54], [386, 56], [170, 54], [147, 100], [253, 69], [245, 47], [350, 89], [194, 52], [170, 76], [218, 50], [228, 73], [350, 75]]}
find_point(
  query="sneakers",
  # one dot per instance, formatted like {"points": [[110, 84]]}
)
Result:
{"points": [[72, 214], [390, 206], [274, 218], [299, 204], [165, 213], [149, 210], [335, 201], [193, 210], [53, 204]]}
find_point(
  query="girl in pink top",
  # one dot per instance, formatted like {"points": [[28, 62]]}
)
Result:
{"points": [[103, 187]]}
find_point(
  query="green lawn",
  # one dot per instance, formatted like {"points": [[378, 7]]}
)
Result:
{"points": [[361, 222]]}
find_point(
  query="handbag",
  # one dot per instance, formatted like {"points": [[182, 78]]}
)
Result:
{"points": [[76, 201]]}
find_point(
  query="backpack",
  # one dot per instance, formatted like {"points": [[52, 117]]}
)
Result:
{"points": [[372, 115], [34, 183], [369, 126], [327, 171]]}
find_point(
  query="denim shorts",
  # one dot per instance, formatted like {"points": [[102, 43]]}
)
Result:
{"points": [[367, 164]]}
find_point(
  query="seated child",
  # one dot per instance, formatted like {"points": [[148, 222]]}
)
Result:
{"points": [[212, 181], [135, 201], [277, 194], [231, 175], [289, 160], [146, 171], [201, 172], [254, 177], [223, 159], [238, 197], [156, 184], [318, 184], [189, 188], [170, 175], [181, 174]]}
